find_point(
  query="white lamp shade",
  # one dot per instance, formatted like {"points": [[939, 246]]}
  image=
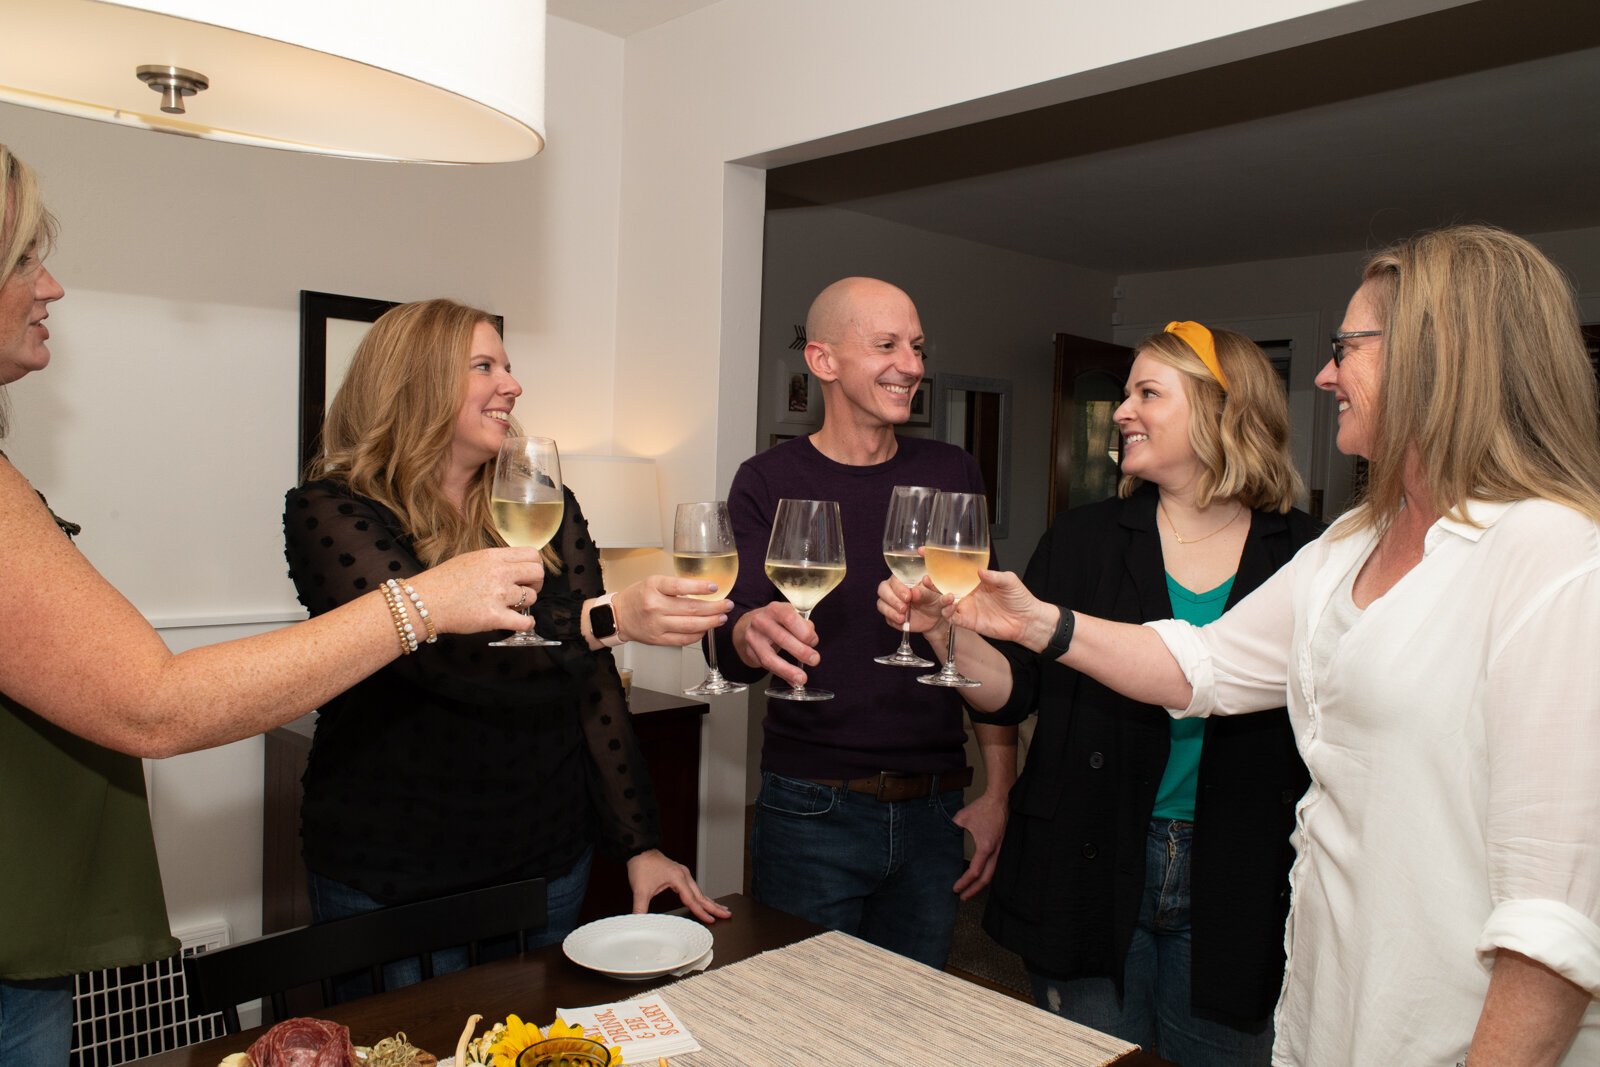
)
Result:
{"points": [[415, 80], [619, 498]]}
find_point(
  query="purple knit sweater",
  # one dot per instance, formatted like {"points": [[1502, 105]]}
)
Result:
{"points": [[881, 718]]}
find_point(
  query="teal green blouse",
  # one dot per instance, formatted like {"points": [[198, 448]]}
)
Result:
{"points": [[1175, 795]]}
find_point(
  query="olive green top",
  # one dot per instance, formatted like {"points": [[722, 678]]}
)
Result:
{"points": [[79, 886]]}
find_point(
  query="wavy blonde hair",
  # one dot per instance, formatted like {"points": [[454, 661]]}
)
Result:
{"points": [[25, 225], [389, 429], [1485, 378], [1240, 436]]}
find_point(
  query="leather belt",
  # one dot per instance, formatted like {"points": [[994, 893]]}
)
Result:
{"points": [[891, 786]]}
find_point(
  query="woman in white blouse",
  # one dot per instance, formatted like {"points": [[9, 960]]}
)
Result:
{"points": [[1440, 652]]}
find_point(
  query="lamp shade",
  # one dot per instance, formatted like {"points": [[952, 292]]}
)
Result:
{"points": [[619, 498], [376, 79]]}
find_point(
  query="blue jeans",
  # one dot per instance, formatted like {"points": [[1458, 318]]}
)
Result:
{"points": [[335, 900], [1154, 1011], [35, 1022], [846, 861]]}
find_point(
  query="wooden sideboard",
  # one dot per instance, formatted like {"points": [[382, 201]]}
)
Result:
{"points": [[668, 727]]}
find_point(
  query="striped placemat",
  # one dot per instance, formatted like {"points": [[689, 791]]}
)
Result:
{"points": [[834, 999]]}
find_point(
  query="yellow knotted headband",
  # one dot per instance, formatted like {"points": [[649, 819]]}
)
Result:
{"points": [[1199, 338]]}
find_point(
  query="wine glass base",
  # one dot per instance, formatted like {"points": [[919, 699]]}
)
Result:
{"points": [[953, 680], [721, 687], [789, 693], [897, 660], [524, 640]]}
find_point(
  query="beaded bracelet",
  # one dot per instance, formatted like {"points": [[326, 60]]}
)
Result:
{"points": [[402, 623], [427, 620]]}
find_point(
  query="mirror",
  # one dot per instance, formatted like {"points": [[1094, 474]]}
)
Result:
{"points": [[975, 413]]}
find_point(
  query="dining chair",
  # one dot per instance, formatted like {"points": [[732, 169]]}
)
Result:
{"points": [[270, 966]]}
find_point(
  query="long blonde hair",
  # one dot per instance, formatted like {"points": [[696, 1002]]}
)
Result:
{"points": [[1240, 436], [388, 432], [1485, 378], [24, 222]]}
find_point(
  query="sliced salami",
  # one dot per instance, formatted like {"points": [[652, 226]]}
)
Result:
{"points": [[304, 1043]]}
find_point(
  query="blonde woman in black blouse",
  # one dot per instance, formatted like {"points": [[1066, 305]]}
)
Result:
{"points": [[467, 765]]}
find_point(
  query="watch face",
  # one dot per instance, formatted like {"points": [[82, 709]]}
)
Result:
{"points": [[602, 621]]}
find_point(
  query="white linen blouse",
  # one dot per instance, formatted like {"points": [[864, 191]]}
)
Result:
{"points": [[1453, 739]]}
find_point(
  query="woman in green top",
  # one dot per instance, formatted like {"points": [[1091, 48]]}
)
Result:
{"points": [[1144, 869], [87, 687]]}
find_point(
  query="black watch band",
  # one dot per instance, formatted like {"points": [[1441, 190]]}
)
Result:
{"points": [[1061, 640]]}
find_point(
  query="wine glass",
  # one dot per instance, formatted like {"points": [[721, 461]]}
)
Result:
{"points": [[526, 505], [805, 560], [956, 550], [904, 532], [703, 548]]}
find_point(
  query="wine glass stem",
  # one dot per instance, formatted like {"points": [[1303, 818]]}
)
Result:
{"points": [[905, 639], [807, 616], [713, 675], [950, 651]]}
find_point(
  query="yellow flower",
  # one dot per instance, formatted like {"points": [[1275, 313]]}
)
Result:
{"points": [[518, 1036]]}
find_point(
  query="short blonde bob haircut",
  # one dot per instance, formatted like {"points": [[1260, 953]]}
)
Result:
{"points": [[27, 229], [389, 429], [1485, 379], [1240, 436]]}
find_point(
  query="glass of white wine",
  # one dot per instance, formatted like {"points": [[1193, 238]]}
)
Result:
{"points": [[526, 506], [905, 531], [805, 560], [703, 548], [956, 550]]}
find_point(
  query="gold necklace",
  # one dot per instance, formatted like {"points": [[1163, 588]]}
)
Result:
{"points": [[1162, 504]]}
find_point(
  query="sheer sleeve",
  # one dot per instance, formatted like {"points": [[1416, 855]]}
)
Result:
{"points": [[340, 546], [623, 798]]}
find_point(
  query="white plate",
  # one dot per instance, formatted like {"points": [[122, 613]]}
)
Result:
{"points": [[638, 946]]}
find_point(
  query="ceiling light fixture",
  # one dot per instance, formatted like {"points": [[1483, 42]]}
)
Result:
{"points": [[371, 79]]}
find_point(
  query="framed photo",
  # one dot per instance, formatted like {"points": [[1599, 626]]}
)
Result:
{"points": [[331, 326], [776, 439], [797, 400], [922, 404]]}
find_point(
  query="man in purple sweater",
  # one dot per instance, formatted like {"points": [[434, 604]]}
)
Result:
{"points": [[859, 822]]}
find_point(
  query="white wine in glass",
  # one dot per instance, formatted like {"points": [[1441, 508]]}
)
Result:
{"points": [[956, 550], [805, 560], [703, 548], [905, 531], [526, 503]]}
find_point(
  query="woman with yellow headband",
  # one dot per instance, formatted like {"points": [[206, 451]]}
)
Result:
{"points": [[1144, 873], [1437, 651]]}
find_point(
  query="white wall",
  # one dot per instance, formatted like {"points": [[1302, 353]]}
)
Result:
{"points": [[626, 259]]}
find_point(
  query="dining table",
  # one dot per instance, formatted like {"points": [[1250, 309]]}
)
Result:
{"points": [[777, 986]]}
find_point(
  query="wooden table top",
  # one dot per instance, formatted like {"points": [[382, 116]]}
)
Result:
{"points": [[533, 985]]}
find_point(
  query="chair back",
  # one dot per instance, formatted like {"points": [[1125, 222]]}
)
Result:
{"points": [[220, 980]]}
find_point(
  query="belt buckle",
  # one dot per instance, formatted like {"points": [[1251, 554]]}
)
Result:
{"points": [[899, 779]]}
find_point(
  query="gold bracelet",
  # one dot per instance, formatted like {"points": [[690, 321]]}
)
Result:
{"points": [[402, 624], [422, 611]]}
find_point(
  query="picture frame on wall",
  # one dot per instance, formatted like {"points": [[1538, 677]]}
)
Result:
{"points": [[331, 326], [797, 401], [922, 404]]}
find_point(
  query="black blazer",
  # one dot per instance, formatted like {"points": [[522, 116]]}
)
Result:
{"points": [[1068, 884]]}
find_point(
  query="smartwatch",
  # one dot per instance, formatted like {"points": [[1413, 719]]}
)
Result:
{"points": [[603, 622], [1061, 640]]}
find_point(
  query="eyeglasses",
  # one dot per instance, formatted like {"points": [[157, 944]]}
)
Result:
{"points": [[1340, 338]]}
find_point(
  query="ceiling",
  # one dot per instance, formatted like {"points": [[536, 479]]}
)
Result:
{"points": [[1488, 112], [623, 17]]}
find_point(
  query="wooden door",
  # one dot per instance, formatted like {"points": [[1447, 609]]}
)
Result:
{"points": [[1089, 376]]}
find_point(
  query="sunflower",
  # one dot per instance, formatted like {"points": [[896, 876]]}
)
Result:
{"points": [[518, 1035]]}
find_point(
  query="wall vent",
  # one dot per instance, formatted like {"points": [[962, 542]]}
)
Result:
{"points": [[128, 1012]]}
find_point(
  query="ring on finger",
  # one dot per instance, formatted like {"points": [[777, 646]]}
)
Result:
{"points": [[521, 600]]}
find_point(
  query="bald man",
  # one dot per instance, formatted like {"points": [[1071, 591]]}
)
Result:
{"points": [[859, 824]]}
